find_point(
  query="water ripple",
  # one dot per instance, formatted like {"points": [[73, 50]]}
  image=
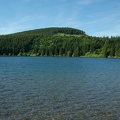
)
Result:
{"points": [[45, 88]]}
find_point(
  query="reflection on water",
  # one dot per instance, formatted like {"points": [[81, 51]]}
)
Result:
{"points": [[48, 88]]}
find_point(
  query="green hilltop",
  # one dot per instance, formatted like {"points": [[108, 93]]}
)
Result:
{"points": [[53, 31], [56, 41]]}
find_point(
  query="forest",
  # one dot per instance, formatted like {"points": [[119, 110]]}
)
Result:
{"points": [[59, 41]]}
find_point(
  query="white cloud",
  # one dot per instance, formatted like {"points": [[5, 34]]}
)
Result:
{"points": [[87, 2], [108, 33], [14, 26], [2, 26]]}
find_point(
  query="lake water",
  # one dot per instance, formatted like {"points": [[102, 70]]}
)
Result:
{"points": [[58, 88]]}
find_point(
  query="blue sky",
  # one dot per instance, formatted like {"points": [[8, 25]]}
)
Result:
{"points": [[95, 17]]}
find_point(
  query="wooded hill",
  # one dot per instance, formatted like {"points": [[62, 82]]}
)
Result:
{"points": [[58, 42]]}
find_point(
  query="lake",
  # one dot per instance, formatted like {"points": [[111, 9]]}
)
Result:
{"points": [[59, 88]]}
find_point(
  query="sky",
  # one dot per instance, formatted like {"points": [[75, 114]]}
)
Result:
{"points": [[95, 17]]}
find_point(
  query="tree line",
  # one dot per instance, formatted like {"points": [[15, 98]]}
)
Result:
{"points": [[58, 42]]}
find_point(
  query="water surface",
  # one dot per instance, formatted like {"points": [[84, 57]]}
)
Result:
{"points": [[55, 88]]}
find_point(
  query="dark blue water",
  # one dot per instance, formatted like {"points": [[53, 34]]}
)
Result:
{"points": [[53, 88]]}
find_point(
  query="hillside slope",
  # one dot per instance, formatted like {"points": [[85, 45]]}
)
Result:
{"points": [[57, 41]]}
